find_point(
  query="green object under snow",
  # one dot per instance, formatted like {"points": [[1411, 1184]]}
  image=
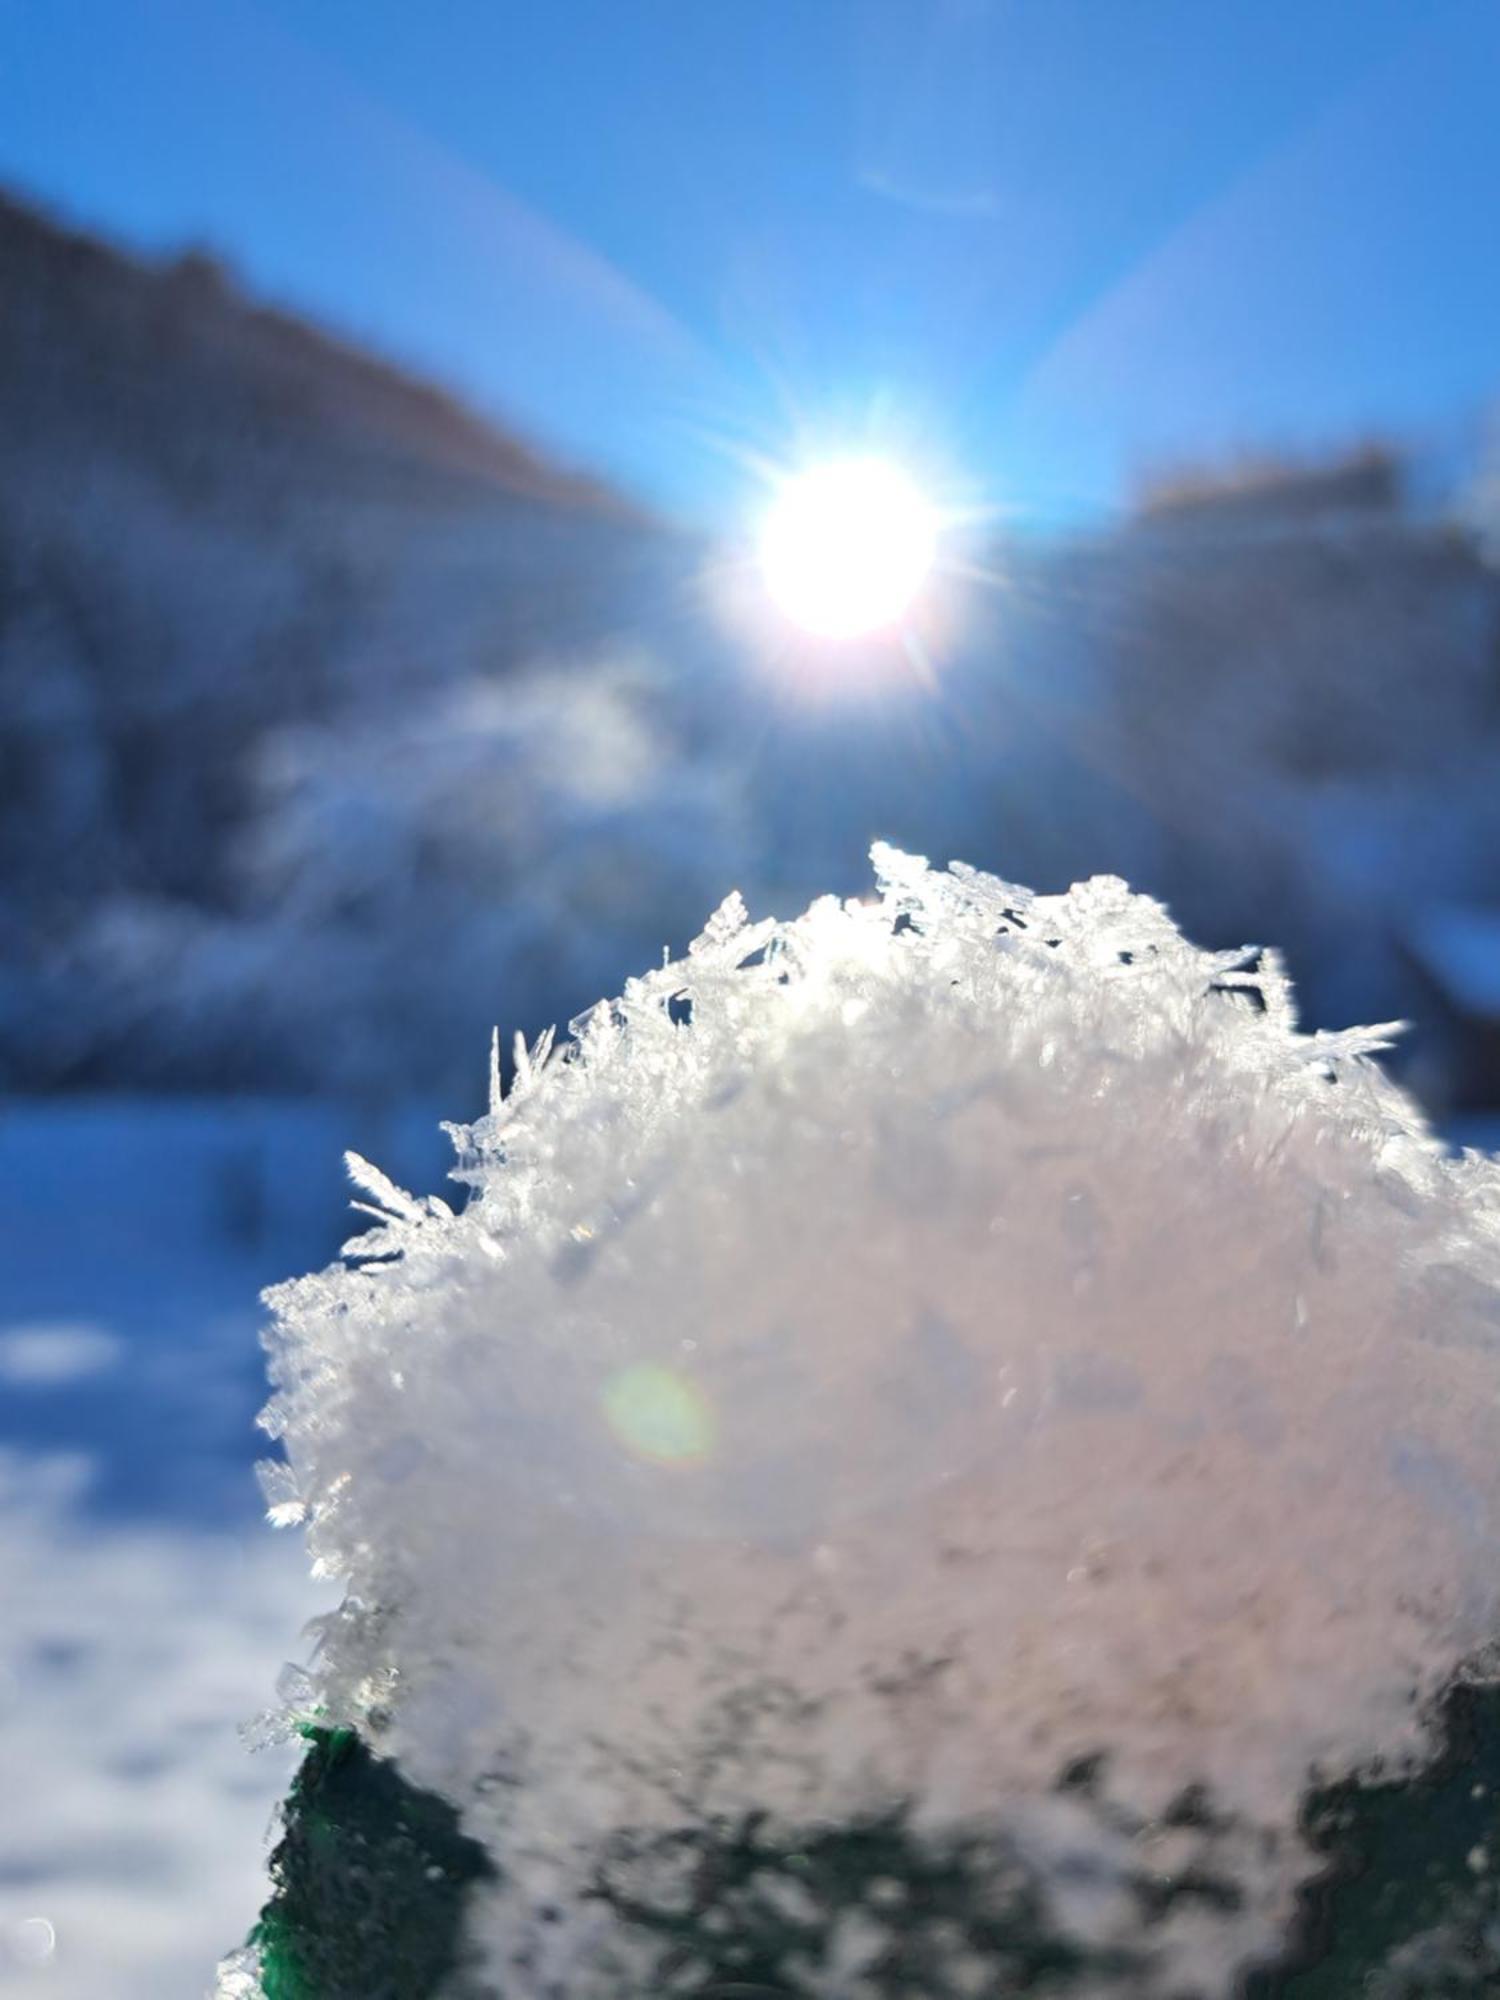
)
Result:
{"points": [[372, 1879]]}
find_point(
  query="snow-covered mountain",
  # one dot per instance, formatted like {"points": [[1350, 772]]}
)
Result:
{"points": [[213, 519], [225, 539]]}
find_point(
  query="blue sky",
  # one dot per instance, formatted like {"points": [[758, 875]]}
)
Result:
{"points": [[1037, 245]]}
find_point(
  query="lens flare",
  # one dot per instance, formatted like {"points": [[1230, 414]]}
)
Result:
{"points": [[659, 1415], [846, 547]]}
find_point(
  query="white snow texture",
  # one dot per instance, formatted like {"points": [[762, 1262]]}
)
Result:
{"points": [[884, 1358]]}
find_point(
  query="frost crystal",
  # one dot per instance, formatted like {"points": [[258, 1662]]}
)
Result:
{"points": [[238, 1977], [958, 1374]]}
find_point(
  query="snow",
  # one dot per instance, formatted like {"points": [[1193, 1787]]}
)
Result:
{"points": [[146, 1614], [135, 1821], [887, 1360], [53, 1353]]}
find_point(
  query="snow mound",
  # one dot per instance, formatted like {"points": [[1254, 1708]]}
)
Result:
{"points": [[960, 1367]]}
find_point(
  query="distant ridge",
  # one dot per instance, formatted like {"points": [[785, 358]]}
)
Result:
{"points": [[1365, 480], [135, 318]]}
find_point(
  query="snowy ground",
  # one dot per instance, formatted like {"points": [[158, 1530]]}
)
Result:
{"points": [[147, 1609]]}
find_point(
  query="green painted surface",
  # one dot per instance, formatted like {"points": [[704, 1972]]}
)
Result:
{"points": [[1411, 1907], [369, 1882], [372, 1877]]}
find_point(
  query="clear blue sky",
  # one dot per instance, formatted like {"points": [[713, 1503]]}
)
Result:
{"points": [[1042, 243]]}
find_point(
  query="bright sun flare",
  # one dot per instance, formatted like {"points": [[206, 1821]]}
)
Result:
{"points": [[845, 547]]}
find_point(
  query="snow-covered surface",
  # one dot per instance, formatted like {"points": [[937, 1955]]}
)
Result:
{"points": [[889, 1356], [134, 1826], [145, 1612]]}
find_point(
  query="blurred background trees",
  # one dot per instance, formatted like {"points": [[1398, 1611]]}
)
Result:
{"points": [[335, 724]]}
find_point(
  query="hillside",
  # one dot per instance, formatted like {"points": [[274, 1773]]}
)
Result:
{"points": [[115, 350], [215, 520]]}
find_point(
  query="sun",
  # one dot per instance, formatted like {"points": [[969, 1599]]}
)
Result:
{"points": [[846, 546]]}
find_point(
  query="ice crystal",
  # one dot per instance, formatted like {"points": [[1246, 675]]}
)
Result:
{"points": [[239, 1976], [954, 1389]]}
